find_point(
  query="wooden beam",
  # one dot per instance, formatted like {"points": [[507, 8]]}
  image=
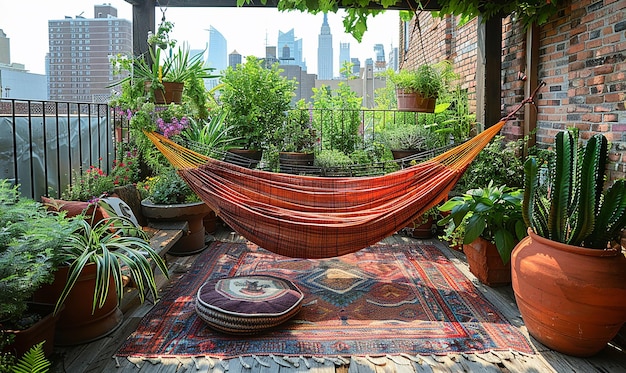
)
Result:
{"points": [[532, 80], [400, 5], [143, 23], [489, 71]]}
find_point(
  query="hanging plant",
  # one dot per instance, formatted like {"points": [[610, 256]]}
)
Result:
{"points": [[358, 12]]}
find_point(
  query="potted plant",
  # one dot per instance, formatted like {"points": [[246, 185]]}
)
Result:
{"points": [[408, 140], [492, 224], [169, 198], [297, 139], [30, 238], [567, 276], [417, 90], [257, 99], [88, 286]]}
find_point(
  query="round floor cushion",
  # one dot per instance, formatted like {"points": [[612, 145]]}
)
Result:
{"points": [[247, 304]]}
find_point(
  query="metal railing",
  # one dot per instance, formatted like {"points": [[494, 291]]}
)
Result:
{"points": [[44, 143]]}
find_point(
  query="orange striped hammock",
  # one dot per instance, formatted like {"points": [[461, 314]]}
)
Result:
{"points": [[320, 217]]}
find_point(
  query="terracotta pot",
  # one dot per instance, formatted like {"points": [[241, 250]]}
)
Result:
{"points": [[421, 229], [171, 93], [76, 323], [294, 162], [193, 213], [42, 330], [244, 157], [486, 264], [572, 299], [413, 101]]}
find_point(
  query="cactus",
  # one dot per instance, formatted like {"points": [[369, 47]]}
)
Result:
{"points": [[574, 207]]}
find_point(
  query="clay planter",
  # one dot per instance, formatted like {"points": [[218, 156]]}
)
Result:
{"points": [[294, 162], [244, 157], [572, 299], [76, 323], [42, 330], [414, 101], [486, 264], [421, 229], [171, 93], [193, 213]]}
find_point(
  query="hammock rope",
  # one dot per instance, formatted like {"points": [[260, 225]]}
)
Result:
{"points": [[320, 217]]}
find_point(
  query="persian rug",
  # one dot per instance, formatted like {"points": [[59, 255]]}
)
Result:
{"points": [[382, 300]]}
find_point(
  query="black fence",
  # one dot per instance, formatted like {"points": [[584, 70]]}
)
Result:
{"points": [[44, 143]]}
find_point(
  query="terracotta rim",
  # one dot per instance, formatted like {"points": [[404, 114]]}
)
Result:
{"points": [[573, 249]]}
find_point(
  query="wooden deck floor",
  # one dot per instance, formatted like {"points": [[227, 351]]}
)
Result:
{"points": [[98, 356]]}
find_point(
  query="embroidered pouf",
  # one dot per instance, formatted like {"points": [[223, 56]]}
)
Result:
{"points": [[247, 304]]}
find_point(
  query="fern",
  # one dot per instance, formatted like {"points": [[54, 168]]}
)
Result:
{"points": [[33, 361]]}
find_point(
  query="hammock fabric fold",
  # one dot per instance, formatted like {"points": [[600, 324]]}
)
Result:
{"points": [[320, 217]]}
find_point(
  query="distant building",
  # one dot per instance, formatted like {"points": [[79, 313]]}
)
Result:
{"points": [[356, 65], [234, 59], [393, 59], [306, 82], [381, 63], [344, 54], [325, 52], [80, 49], [217, 55], [5, 48], [290, 49]]}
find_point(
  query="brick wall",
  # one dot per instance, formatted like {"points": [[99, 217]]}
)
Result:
{"points": [[582, 58]]}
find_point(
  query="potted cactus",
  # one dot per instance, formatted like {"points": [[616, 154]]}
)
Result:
{"points": [[568, 274]]}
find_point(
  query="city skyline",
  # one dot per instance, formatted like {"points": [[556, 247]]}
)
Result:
{"points": [[261, 29]]}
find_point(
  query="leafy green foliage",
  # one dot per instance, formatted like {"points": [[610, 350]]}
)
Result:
{"points": [[493, 213], [33, 361], [572, 206], [256, 99], [426, 79], [111, 244], [331, 158], [336, 117], [358, 11], [30, 239], [169, 188]]}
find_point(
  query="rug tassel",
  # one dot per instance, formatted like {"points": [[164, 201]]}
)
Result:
{"points": [[306, 362], [376, 361], [211, 362], [244, 364], [397, 360], [429, 360], [261, 362], [439, 359], [117, 362], [415, 359], [294, 361], [319, 360], [490, 358], [224, 364], [280, 362], [134, 363], [195, 363]]}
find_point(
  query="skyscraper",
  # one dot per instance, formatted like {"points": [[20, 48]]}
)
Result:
{"points": [[344, 54], [290, 49], [325, 52], [80, 49], [380, 63], [217, 57]]}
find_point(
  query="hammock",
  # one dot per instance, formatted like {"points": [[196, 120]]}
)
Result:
{"points": [[320, 217]]}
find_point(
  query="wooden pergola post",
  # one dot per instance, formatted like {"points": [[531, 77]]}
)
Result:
{"points": [[489, 72]]}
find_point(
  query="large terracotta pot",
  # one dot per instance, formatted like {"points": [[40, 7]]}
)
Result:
{"points": [[76, 323], [294, 162], [486, 264], [413, 101], [42, 330], [572, 299], [193, 213], [422, 229], [172, 92]]}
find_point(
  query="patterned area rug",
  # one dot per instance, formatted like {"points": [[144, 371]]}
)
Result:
{"points": [[386, 299]]}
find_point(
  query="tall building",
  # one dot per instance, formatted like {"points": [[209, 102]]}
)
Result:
{"points": [[5, 48], [325, 52], [356, 65], [379, 51], [234, 59], [393, 59], [344, 54], [217, 57], [80, 52], [290, 49]]}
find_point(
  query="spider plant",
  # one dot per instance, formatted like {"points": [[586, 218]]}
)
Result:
{"points": [[573, 207], [114, 244]]}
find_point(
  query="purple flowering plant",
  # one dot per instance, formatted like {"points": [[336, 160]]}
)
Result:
{"points": [[168, 120]]}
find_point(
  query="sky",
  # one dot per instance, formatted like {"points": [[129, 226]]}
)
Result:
{"points": [[247, 30]]}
